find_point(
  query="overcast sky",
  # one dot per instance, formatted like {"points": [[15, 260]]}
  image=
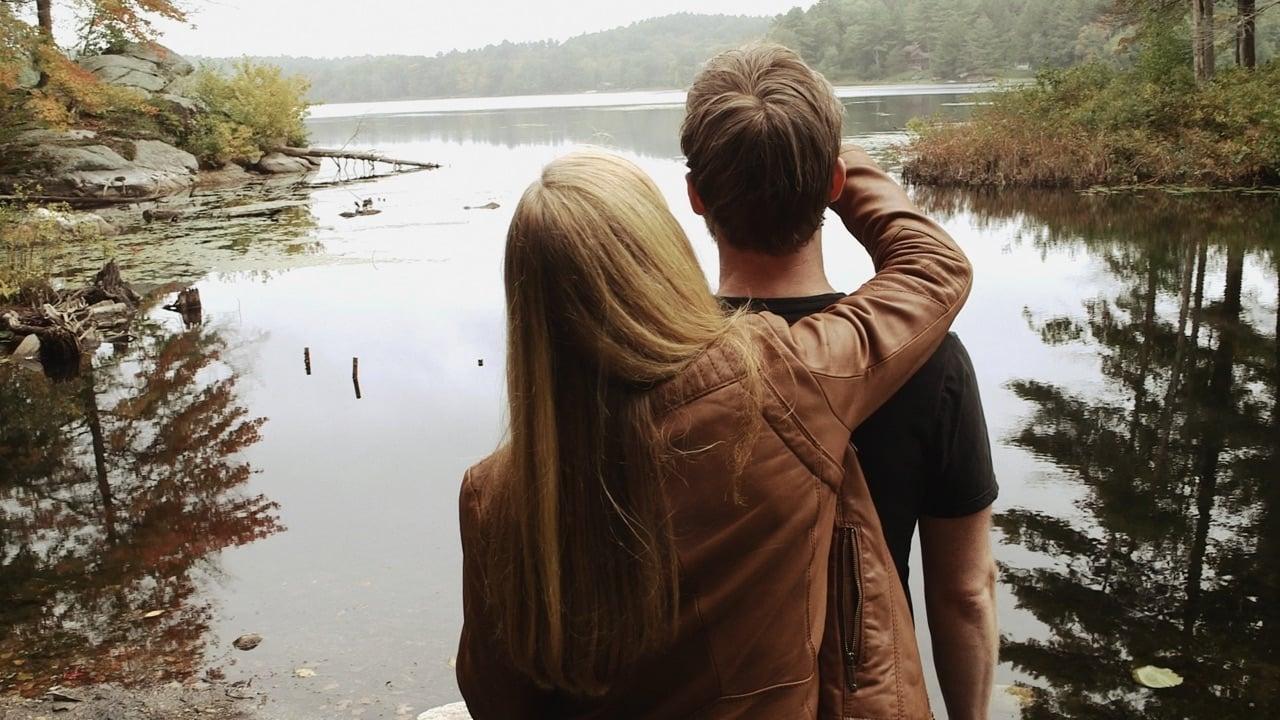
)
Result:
{"points": [[328, 28]]}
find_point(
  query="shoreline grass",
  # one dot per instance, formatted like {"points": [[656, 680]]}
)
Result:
{"points": [[1093, 125]]}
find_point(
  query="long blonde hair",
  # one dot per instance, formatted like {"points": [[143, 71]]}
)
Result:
{"points": [[605, 301]]}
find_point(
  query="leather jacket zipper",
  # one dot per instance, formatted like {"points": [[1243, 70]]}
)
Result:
{"points": [[849, 607]]}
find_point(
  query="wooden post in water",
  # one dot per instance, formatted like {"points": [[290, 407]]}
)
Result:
{"points": [[355, 375], [306, 359]]}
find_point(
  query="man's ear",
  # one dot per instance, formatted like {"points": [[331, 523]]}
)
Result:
{"points": [[837, 180], [695, 200]]}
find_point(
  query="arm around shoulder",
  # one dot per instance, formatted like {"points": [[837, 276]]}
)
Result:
{"points": [[866, 346]]}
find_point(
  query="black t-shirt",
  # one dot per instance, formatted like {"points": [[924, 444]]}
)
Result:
{"points": [[925, 452]]}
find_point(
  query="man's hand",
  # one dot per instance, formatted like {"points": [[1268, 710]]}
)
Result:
{"points": [[960, 596]]}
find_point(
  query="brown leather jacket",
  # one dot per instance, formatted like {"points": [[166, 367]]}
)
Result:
{"points": [[785, 585]]}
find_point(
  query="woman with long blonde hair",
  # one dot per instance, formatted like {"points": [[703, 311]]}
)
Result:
{"points": [[644, 542]]}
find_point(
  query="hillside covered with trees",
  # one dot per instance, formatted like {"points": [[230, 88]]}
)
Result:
{"points": [[958, 39], [944, 39], [848, 40], [662, 52]]}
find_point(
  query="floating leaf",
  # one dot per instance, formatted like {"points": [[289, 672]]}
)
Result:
{"points": [[1156, 677], [153, 614], [304, 672], [1021, 693]]}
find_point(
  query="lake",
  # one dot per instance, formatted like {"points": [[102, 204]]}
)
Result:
{"points": [[206, 481]]}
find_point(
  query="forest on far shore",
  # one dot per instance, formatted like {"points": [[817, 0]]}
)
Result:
{"points": [[848, 40]]}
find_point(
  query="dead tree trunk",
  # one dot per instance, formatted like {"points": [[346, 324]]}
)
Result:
{"points": [[1247, 33], [354, 155], [44, 15], [1202, 39]]}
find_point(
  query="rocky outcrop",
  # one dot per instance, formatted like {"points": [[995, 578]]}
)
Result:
{"points": [[151, 68], [78, 164], [126, 71]]}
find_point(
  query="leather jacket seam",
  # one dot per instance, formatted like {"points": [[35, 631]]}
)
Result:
{"points": [[789, 414], [770, 688]]}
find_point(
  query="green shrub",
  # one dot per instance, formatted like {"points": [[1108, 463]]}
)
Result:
{"points": [[215, 141], [255, 108]]}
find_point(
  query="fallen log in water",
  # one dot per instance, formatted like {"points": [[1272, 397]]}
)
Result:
{"points": [[354, 155]]}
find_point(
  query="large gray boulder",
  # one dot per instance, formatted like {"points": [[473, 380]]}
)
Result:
{"points": [[74, 165], [281, 164], [73, 158], [163, 157], [167, 60], [127, 71], [148, 67]]}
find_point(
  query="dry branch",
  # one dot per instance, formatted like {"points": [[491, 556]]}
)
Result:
{"points": [[353, 155]]}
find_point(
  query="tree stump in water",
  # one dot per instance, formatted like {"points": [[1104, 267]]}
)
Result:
{"points": [[60, 353], [77, 322], [187, 304], [107, 285]]}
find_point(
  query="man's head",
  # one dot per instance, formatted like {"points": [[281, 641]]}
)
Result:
{"points": [[762, 138]]}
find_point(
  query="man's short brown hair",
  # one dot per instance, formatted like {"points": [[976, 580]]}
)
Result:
{"points": [[761, 136]]}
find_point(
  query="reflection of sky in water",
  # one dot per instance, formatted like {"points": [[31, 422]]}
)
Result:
{"points": [[363, 587]]}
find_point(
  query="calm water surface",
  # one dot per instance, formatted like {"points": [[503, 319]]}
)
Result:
{"points": [[1126, 346]]}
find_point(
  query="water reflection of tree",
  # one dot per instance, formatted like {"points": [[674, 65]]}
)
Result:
{"points": [[1178, 460], [117, 491]]}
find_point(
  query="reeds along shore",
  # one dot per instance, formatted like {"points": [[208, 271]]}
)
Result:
{"points": [[1093, 126]]}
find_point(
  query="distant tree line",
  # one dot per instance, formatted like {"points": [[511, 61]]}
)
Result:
{"points": [[848, 40], [945, 39], [662, 53]]}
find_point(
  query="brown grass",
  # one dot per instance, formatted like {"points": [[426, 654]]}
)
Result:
{"points": [[1093, 126]]}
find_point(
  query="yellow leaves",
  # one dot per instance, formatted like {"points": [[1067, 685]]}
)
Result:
{"points": [[1156, 677], [49, 111], [254, 108], [70, 91]]}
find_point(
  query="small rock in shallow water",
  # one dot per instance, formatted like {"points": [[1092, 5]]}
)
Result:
{"points": [[247, 642], [28, 349]]}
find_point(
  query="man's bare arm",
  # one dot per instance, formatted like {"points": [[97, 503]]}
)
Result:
{"points": [[960, 596]]}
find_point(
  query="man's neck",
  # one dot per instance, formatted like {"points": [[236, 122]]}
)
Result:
{"points": [[744, 273]]}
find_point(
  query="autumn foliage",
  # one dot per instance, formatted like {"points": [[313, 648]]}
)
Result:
{"points": [[246, 111]]}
